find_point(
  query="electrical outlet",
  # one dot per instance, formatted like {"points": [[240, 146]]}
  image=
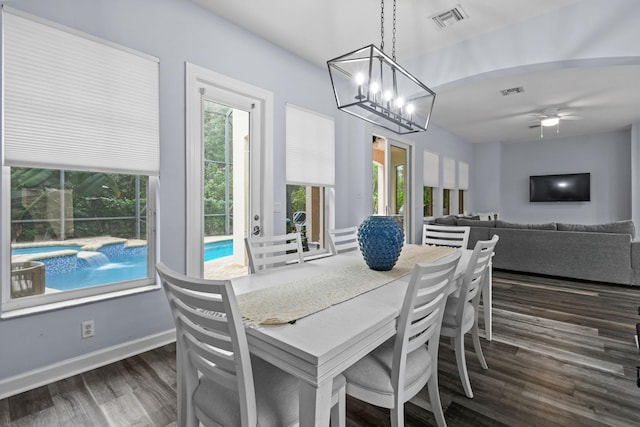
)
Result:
{"points": [[88, 329]]}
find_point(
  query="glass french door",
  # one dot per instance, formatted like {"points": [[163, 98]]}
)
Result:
{"points": [[225, 198], [390, 178]]}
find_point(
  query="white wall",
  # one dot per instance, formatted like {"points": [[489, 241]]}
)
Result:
{"points": [[606, 156], [486, 178]]}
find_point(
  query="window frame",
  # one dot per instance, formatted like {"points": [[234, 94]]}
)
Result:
{"points": [[12, 307]]}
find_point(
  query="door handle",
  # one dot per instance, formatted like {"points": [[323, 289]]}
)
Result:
{"points": [[256, 230]]}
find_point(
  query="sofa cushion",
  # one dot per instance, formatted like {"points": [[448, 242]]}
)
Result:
{"points": [[447, 220], [476, 223], [619, 227], [547, 226]]}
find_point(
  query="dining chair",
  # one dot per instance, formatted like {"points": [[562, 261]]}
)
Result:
{"points": [[343, 239], [220, 383], [399, 368], [273, 251], [445, 235], [461, 310]]}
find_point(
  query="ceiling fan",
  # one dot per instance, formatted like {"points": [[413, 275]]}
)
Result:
{"points": [[551, 117]]}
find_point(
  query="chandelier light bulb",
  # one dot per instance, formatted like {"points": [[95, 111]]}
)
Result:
{"points": [[388, 95], [359, 78], [374, 87], [410, 108], [399, 102]]}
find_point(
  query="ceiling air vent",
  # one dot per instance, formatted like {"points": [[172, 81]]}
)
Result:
{"points": [[512, 91], [449, 17]]}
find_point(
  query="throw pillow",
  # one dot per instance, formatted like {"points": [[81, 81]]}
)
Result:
{"points": [[447, 220]]}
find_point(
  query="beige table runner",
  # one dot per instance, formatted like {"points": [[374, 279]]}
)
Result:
{"points": [[293, 300]]}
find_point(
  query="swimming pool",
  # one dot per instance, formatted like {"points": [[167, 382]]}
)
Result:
{"points": [[111, 263]]}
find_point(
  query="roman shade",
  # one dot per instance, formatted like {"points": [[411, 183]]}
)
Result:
{"points": [[431, 169], [73, 101], [310, 147], [448, 173], [463, 175]]}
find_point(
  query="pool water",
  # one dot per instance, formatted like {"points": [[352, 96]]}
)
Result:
{"points": [[112, 264], [116, 269], [41, 249], [214, 250]]}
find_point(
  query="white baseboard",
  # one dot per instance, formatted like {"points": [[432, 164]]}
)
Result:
{"points": [[77, 365]]}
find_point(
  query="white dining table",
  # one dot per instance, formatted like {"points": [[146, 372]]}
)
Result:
{"points": [[320, 346]]}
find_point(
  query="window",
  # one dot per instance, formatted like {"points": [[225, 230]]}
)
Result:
{"points": [[310, 172], [446, 202], [76, 230], [81, 153], [431, 180], [427, 201], [461, 201], [306, 215]]}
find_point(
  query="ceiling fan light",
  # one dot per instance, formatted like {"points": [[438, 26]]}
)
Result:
{"points": [[550, 121]]}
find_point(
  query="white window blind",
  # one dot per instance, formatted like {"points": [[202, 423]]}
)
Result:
{"points": [[310, 147], [448, 173], [463, 175], [72, 101], [431, 169]]}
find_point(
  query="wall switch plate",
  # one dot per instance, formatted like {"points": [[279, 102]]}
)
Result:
{"points": [[88, 329]]}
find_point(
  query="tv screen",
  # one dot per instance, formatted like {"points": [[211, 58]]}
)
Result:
{"points": [[575, 187]]}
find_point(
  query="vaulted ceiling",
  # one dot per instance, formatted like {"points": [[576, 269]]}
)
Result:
{"points": [[596, 99]]}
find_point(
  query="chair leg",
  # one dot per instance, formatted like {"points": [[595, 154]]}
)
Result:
{"points": [[462, 365], [339, 411], [339, 402], [397, 416], [434, 399], [477, 347]]}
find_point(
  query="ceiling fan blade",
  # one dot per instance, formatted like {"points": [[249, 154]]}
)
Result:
{"points": [[533, 126], [570, 118]]}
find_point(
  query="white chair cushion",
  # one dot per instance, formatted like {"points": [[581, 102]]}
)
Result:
{"points": [[373, 372], [449, 319], [276, 398]]}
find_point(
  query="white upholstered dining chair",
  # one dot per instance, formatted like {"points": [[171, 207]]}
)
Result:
{"points": [[399, 368], [344, 239], [219, 382], [461, 311], [273, 251], [445, 235]]}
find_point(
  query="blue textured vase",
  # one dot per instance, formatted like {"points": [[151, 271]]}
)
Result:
{"points": [[381, 239]]}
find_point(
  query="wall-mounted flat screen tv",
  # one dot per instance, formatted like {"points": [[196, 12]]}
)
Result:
{"points": [[575, 187]]}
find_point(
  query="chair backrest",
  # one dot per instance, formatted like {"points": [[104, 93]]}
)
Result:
{"points": [[343, 239], [474, 275], [422, 311], [273, 251], [210, 336], [444, 235]]}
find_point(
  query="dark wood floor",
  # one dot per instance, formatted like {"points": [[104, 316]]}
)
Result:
{"points": [[563, 354]]}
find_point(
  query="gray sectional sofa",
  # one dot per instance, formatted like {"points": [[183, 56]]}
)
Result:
{"points": [[602, 253]]}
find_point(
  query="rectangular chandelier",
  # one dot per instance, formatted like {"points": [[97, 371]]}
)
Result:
{"points": [[370, 85]]}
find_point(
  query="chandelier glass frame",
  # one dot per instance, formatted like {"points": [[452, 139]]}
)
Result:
{"points": [[370, 85]]}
